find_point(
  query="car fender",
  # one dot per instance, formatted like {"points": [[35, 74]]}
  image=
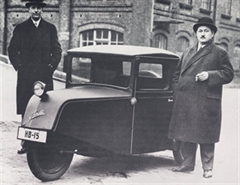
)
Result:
{"points": [[41, 113]]}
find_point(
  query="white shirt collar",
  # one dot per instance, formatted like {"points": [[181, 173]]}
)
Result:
{"points": [[36, 23], [200, 46]]}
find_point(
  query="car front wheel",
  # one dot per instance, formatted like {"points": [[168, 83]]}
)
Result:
{"points": [[47, 161]]}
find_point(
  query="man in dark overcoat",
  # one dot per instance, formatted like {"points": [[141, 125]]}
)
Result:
{"points": [[34, 52], [197, 84]]}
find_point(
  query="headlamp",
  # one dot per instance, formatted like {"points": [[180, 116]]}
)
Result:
{"points": [[39, 88]]}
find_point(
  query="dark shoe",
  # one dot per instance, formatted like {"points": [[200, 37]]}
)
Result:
{"points": [[22, 151], [207, 173], [183, 168]]}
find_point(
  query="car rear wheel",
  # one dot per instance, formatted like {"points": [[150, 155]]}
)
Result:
{"points": [[177, 152], [47, 161]]}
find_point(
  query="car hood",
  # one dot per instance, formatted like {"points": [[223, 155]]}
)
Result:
{"points": [[42, 113]]}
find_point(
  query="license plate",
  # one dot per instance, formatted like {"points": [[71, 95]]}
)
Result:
{"points": [[32, 135]]}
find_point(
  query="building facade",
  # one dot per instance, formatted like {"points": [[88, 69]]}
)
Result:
{"points": [[165, 24]]}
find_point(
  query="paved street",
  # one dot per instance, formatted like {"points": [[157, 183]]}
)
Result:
{"points": [[153, 168]]}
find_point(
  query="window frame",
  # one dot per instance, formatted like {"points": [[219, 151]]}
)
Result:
{"points": [[157, 42], [206, 4], [188, 2], [165, 77], [187, 41], [100, 40], [228, 10]]}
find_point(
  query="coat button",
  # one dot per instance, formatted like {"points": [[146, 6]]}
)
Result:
{"points": [[196, 92]]}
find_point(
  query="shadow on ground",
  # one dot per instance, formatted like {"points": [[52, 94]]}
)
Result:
{"points": [[120, 166]]}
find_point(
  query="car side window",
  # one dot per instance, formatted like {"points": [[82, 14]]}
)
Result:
{"points": [[151, 77], [112, 71], [81, 70], [126, 68]]}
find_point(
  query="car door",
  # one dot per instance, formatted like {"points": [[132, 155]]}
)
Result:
{"points": [[154, 105]]}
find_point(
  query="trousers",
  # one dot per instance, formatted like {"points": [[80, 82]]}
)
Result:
{"points": [[206, 152]]}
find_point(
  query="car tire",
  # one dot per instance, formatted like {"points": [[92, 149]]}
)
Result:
{"points": [[47, 162]]}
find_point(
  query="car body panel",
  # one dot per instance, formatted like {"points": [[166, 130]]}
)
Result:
{"points": [[129, 119], [152, 115], [42, 113], [106, 123]]}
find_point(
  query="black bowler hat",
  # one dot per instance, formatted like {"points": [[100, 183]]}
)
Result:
{"points": [[205, 21], [36, 3]]}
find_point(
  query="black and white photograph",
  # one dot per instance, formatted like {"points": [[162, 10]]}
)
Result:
{"points": [[120, 92]]}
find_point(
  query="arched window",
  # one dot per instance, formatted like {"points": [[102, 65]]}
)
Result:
{"points": [[100, 37], [182, 44], [227, 7], [160, 41], [206, 4], [224, 45]]}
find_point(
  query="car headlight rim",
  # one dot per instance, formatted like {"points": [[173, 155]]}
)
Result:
{"points": [[39, 88]]}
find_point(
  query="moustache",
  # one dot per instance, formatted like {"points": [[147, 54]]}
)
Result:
{"points": [[202, 37]]}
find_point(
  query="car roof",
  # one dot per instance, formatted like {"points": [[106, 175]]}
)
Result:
{"points": [[124, 50]]}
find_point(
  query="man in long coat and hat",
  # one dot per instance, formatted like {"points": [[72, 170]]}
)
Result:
{"points": [[197, 83], [34, 52]]}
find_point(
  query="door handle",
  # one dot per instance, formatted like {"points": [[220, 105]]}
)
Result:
{"points": [[133, 101]]}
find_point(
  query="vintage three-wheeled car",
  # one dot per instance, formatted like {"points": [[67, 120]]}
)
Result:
{"points": [[118, 99]]}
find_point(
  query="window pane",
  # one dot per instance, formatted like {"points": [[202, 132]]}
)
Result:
{"points": [[105, 34], [84, 36], [100, 37], [81, 70], [206, 4], [114, 36], [182, 44], [160, 41], [150, 70], [150, 77], [120, 37], [111, 71], [99, 34], [127, 68], [90, 33], [90, 43], [227, 6]]}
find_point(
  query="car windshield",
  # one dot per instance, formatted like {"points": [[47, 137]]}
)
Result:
{"points": [[101, 70]]}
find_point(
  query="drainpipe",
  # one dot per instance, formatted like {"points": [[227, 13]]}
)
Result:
{"points": [[214, 11]]}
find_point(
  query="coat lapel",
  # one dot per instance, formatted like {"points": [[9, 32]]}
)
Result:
{"points": [[195, 55], [30, 28], [39, 32], [188, 57]]}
